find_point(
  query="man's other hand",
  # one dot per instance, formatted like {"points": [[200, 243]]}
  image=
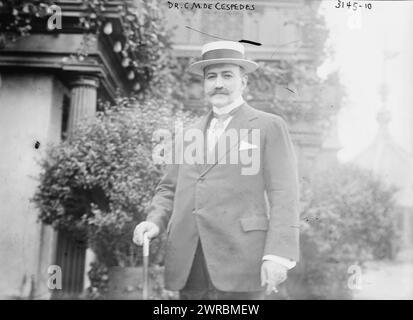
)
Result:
{"points": [[272, 274], [150, 228]]}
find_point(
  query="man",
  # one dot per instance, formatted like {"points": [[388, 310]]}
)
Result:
{"points": [[225, 240]]}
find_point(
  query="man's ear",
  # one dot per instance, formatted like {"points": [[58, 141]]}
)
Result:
{"points": [[244, 80]]}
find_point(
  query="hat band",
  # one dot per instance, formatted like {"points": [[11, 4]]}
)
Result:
{"points": [[222, 54]]}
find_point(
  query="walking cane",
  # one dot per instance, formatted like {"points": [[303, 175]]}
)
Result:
{"points": [[145, 266]]}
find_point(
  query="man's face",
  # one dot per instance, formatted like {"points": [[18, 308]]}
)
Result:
{"points": [[223, 83]]}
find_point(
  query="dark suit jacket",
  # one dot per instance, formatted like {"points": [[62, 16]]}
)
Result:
{"points": [[228, 211]]}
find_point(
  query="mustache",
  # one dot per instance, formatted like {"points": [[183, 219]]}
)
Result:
{"points": [[214, 92]]}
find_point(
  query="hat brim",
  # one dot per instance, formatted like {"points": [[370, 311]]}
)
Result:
{"points": [[198, 67]]}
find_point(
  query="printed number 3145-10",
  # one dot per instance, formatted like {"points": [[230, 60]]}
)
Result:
{"points": [[350, 4]]}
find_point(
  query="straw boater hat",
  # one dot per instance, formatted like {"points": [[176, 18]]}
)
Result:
{"points": [[222, 52]]}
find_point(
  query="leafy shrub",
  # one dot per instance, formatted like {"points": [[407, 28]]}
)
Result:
{"points": [[98, 182], [348, 218]]}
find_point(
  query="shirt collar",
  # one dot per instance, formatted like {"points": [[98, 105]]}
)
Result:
{"points": [[227, 109]]}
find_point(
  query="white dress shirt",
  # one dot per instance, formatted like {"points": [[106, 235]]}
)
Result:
{"points": [[214, 131]]}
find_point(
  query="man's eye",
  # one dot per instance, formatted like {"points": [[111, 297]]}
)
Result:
{"points": [[210, 77], [227, 76]]}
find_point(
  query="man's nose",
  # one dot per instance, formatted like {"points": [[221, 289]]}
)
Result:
{"points": [[218, 82]]}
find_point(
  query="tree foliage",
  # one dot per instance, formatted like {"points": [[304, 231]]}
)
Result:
{"points": [[348, 218]]}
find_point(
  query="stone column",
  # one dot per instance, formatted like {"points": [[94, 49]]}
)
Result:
{"points": [[82, 100]]}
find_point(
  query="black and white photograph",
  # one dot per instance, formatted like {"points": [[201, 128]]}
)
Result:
{"points": [[215, 150]]}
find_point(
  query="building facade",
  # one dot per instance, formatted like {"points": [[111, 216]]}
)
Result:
{"points": [[46, 89]]}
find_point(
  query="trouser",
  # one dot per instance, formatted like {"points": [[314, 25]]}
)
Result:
{"points": [[200, 287]]}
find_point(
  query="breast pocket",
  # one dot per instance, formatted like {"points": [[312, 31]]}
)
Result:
{"points": [[254, 223]]}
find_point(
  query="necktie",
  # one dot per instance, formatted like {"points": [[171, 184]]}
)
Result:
{"points": [[217, 128], [220, 119]]}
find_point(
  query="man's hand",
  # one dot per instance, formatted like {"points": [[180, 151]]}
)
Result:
{"points": [[272, 274], [150, 228]]}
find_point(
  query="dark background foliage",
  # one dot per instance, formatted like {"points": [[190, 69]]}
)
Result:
{"points": [[348, 217]]}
